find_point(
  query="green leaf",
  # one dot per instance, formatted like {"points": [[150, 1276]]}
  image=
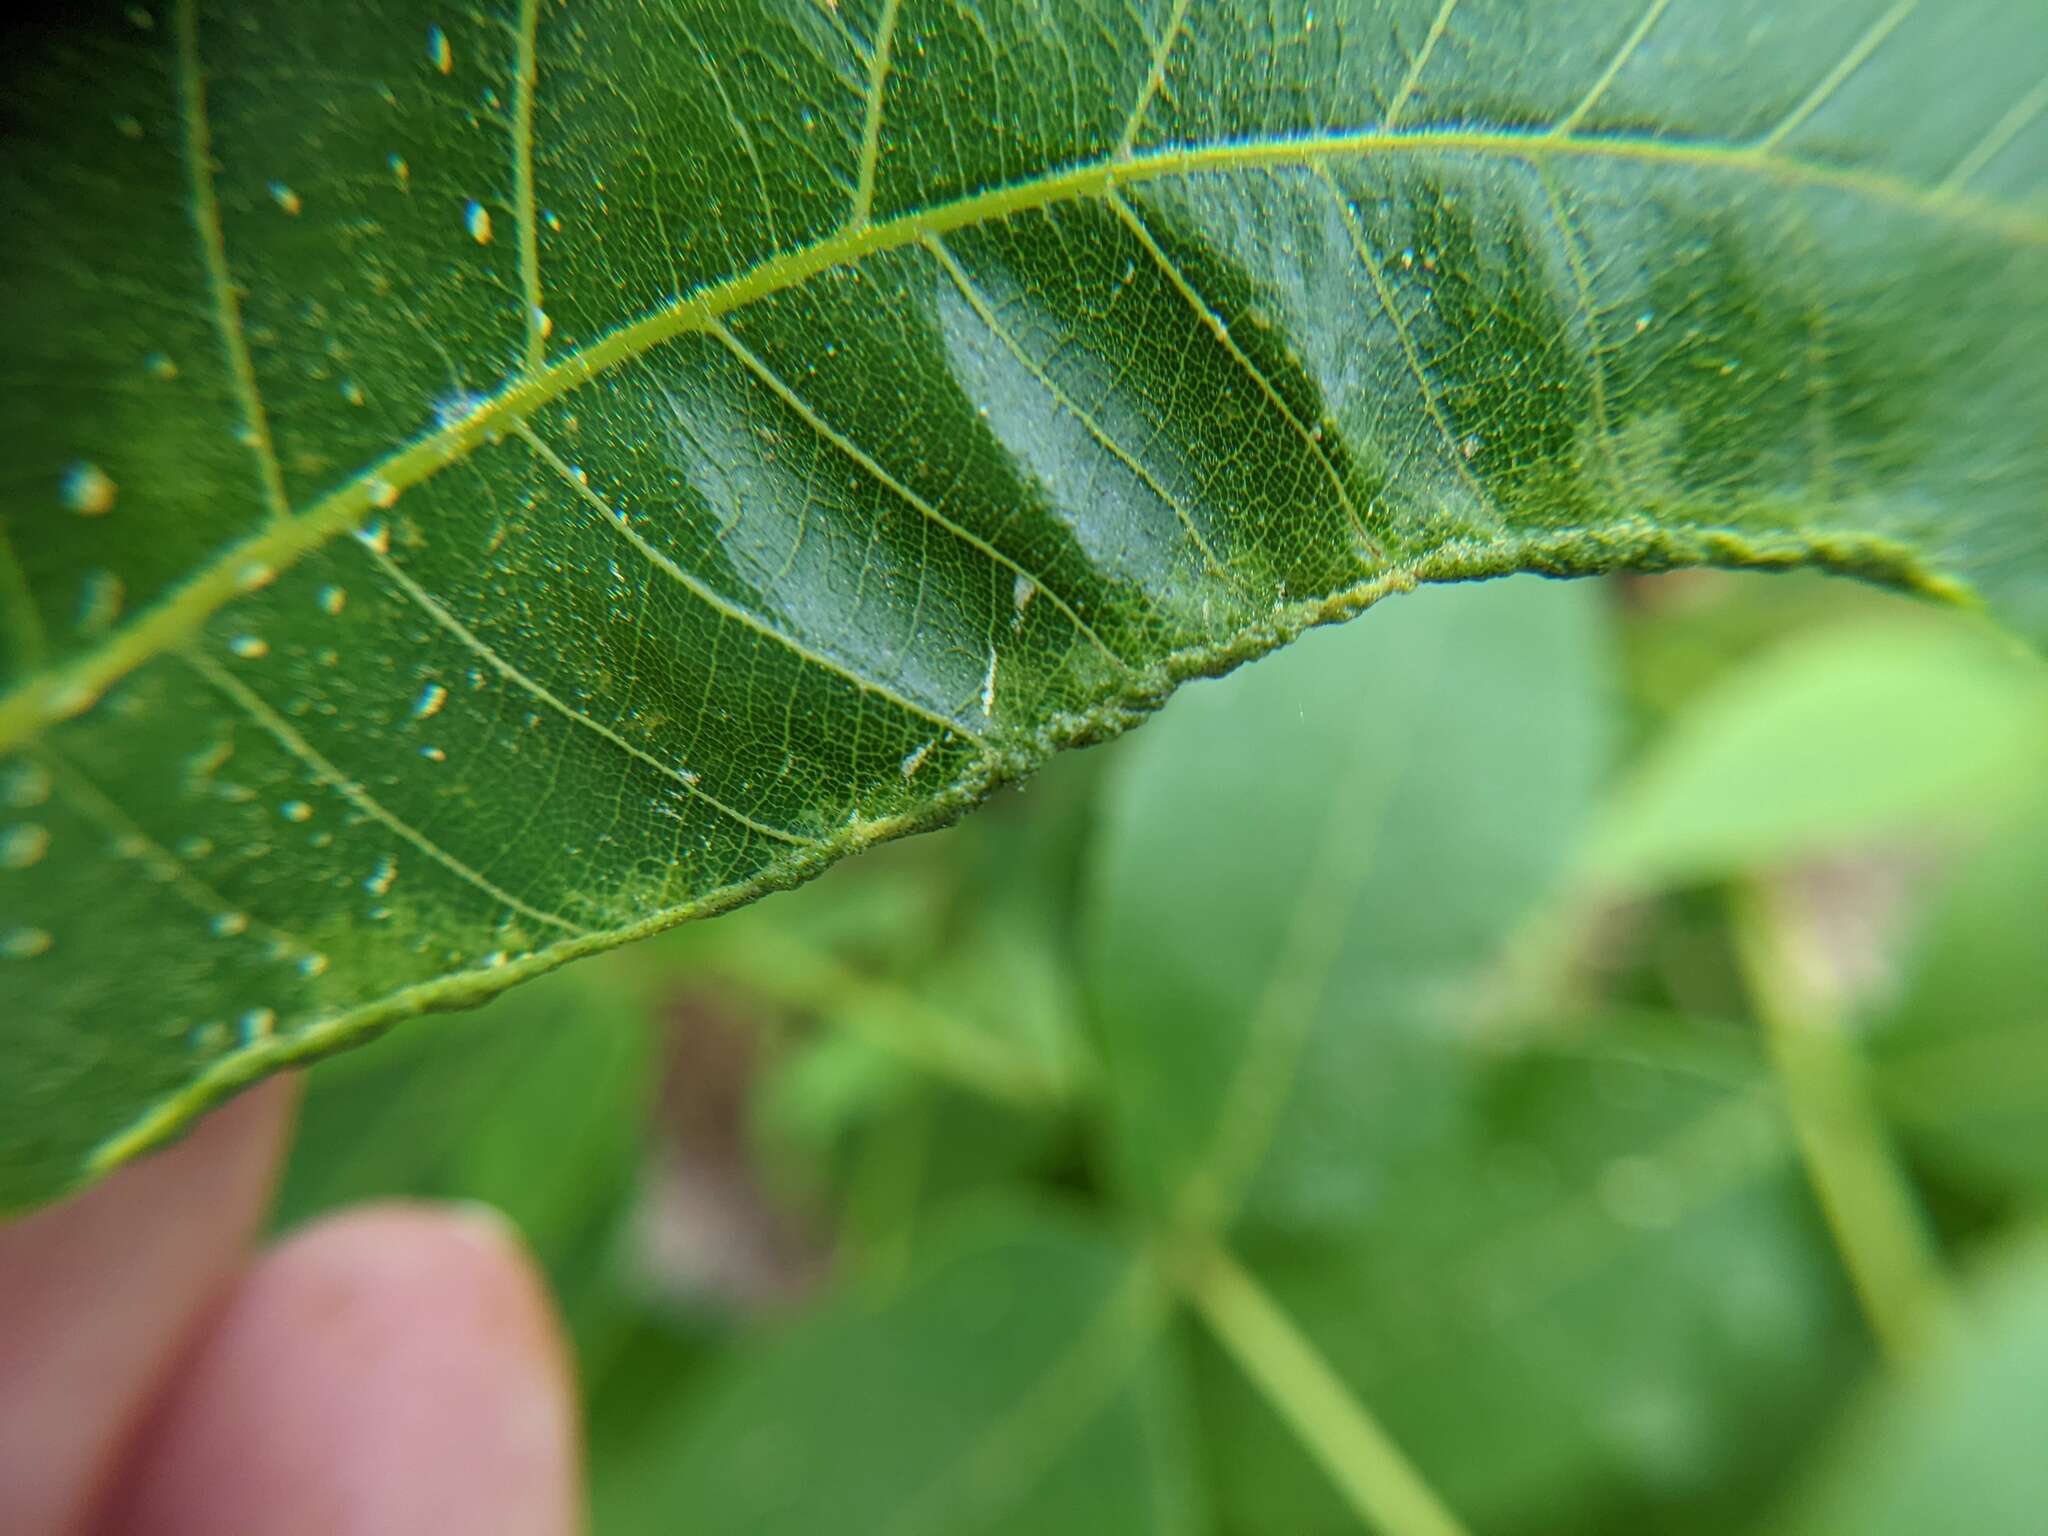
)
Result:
{"points": [[1021, 1380], [1956, 1446], [768, 424], [1838, 737], [1289, 1020], [953, 966], [1608, 1307], [635, 1372], [1963, 1056], [1370, 815]]}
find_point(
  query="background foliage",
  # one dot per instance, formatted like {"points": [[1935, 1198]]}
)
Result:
{"points": [[1411, 1035]]}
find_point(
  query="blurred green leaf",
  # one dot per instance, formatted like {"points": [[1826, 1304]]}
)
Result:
{"points": [[1956, 1445], [852, 1127], [1914, 728], [1575, 1273], [1963, 1057], [1686, 630], [639, 1365], [954, 959], [945, 1048], [1022, 1380], [1303, 869], [1608, 1308]]}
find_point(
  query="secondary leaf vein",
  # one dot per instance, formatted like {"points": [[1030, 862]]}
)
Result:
{"points": [[2002, 133], [95, 804], [904, 493], [1460, 466], [1853, 60], [1589, 314], [1217, 328], [1155, 78], [251, 704], [441, 615], [986, 313], [710, 596], [1420, 62], [227, 313], [871, 119], [525, 224], [1614, 67]]}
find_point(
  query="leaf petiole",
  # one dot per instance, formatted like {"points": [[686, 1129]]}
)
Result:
{"points": [[1376, 1479], [1865, 1196]]}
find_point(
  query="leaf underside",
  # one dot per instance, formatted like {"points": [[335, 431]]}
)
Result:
{"points": [[486, 484]]}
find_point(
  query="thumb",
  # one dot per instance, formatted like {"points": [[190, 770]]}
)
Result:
{"points": [[100, 1296], [391, 1371]]}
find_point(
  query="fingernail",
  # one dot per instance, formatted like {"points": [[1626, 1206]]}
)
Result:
{"points": [[488, 1226]]}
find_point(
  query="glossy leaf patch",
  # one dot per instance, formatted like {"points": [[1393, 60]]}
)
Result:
{"points": [[483, 484]]}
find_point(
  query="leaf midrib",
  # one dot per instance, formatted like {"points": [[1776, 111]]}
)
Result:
{"points": [[73, 687]]}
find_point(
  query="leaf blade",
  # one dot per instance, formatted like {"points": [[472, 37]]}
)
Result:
{"points": [[916, 556]]}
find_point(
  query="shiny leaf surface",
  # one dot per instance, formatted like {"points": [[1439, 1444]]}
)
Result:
{"points": [[486, 483]]}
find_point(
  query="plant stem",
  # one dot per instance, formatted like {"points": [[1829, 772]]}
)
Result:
{"points": [[1864, 1194], [1376, 1479]]}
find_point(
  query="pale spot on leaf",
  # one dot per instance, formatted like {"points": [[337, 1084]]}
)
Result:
{"points": [[89, 490]]}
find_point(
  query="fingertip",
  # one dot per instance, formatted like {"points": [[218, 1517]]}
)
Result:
{"points": [[100, 1294], [394, 1370]]}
